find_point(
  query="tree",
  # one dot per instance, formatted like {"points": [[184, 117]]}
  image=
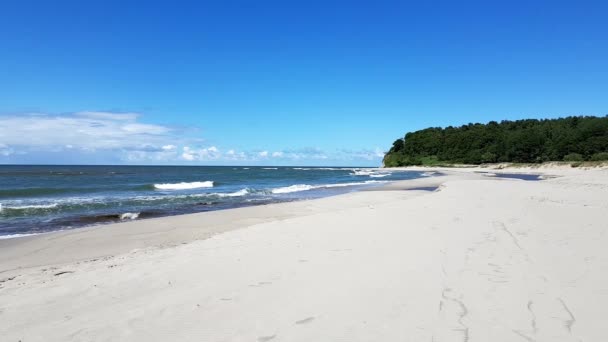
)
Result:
{"points": [[526, 141]]}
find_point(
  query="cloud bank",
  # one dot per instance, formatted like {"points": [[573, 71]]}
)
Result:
{"points": [[108, 137]]}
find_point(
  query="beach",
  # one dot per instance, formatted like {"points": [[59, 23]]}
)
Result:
{"points": [[461, 256]]}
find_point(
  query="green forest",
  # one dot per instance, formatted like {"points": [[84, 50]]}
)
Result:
{"points": [[573, 139]]}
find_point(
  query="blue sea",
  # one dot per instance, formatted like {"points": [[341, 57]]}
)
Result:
{"points": [[38, 199]]}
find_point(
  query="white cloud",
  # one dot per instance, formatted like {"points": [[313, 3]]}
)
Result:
{"points": [[109, 137], [108, 115], [233, 155], [86, 130], [136, 128], [88, 137], [201, 154], [5, 150]]}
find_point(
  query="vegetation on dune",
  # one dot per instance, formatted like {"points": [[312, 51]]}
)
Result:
{"points": [[572, 139]]}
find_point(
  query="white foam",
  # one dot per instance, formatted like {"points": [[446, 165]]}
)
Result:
{"points": [[362, 173], [319, 168], [12, 236], [129, 216], [239, 193], [26, 207], [380, 175], [339, 185], [270, 168], [292, 188], [184, 185], [305, 187]]}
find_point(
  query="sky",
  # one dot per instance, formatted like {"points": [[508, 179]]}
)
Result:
{"points": [[283, 82]]}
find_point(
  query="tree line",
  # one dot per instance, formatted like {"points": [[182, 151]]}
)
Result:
{"points": [[574, 138]]}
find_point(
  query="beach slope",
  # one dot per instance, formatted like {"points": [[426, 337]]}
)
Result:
{"points": [[479, 259]]}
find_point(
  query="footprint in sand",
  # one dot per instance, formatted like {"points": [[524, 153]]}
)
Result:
{"points": [[261, 283], [305, 320]]}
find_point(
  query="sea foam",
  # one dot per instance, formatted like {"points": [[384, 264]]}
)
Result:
{"points": [[183, 185], [292, 188], [305, 187], [379, 175], [12, 236], [362, 172], [28, 207], [239, 193], [129, 216]]}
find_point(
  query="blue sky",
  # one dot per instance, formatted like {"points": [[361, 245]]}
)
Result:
{"points": [[283, 83]]}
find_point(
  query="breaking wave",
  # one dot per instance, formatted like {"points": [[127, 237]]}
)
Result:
{"points": [[242, 192], [129, 216], [29, 207], [305, 187], [183, 185], [12, 236], [362, 172], [380, 175], [292, 188]]}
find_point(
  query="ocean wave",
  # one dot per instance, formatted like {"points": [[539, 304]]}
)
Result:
{"points": [[18, 208], [379, 175], [33, 192], [371, 173], [129, 216], [292, 188], [28, 207], [270, 168], [183, 185], [12, 236], [321, 168], [338, 185], [362, 172], [305, 187], [242, 192]]}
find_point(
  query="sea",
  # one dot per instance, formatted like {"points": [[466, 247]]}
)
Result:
{"points": [[37, 199]]}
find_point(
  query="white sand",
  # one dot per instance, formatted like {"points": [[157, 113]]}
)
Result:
{"points": [[482, 259]]}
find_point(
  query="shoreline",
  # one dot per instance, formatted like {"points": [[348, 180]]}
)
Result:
{"points": [[75, 204], [148, 233], [102, 240], [479, 259]]}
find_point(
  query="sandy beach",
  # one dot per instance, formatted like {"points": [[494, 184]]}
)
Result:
{"points": [[480, 258]]}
